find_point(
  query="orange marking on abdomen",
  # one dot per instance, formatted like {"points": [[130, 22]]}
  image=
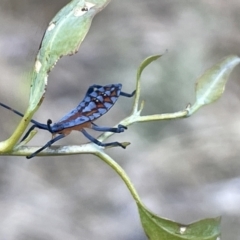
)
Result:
{"points": [[79, 127]]}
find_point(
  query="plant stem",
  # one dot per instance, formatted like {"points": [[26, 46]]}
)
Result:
{"points": [[116, 167]]}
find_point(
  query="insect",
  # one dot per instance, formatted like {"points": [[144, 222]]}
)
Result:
{"points": [[97, 101]]}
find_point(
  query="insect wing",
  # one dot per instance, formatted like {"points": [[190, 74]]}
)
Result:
{"points": [[97, 101]]}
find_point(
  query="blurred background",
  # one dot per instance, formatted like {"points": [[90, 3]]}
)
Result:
{"points": [[184, 169]]}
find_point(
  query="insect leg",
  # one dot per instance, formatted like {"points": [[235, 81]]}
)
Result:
{"points": [[28, 132], [127, 94], [94, 140], [38, 125], [48, 144], [119, 129]]}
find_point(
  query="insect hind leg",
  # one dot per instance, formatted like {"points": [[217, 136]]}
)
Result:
{"points": [[94, 140], [128, 94], [119, 129]]}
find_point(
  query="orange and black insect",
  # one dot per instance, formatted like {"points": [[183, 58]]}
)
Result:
{"points": [[97, 101]]}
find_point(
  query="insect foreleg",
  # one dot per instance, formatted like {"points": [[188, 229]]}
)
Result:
{"points": [[28, 132], [94, 140], [48, 144], [127, 94], [119, 129], [38, 125]]}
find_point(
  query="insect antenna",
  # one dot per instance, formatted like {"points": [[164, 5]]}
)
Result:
{"points": [[18, 113], [49, 122], [35, 123]]}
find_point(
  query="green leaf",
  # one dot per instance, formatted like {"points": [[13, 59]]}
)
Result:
{"points": [[157, 228], [63, 36], [210, 86]]}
